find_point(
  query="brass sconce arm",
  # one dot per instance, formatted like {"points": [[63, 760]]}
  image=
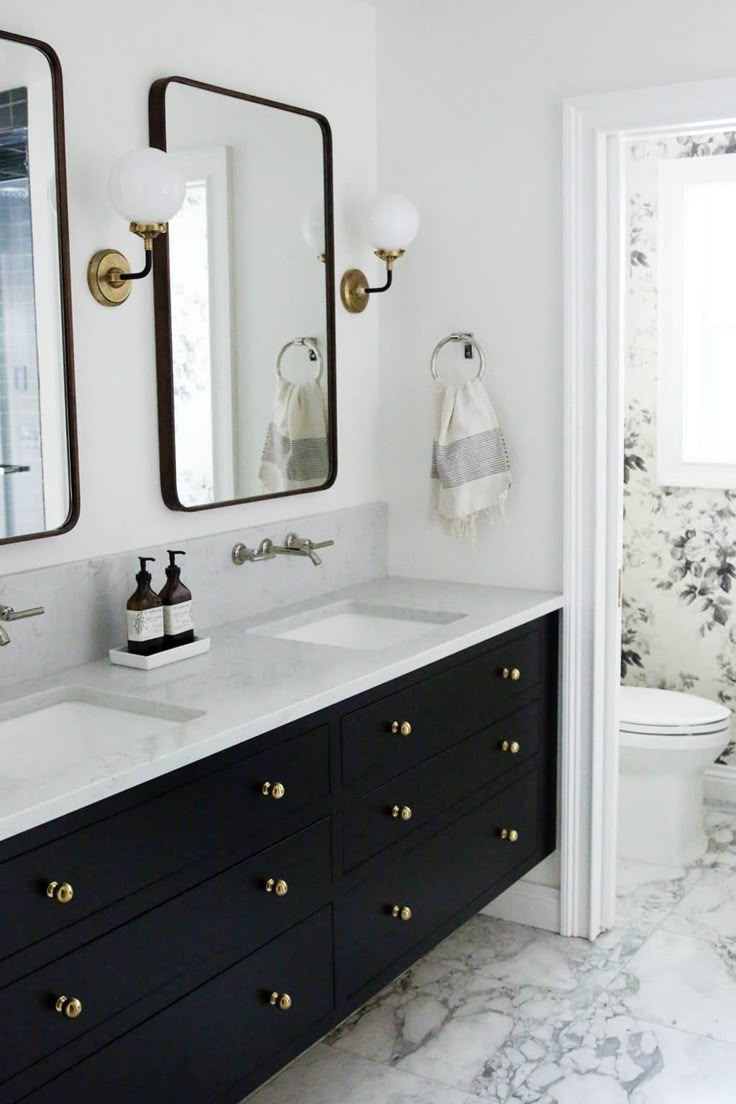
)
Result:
{"points": [[354, 290]]}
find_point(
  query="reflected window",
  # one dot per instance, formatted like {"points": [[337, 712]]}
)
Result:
{"points": [[200, 329], [696, 443]]}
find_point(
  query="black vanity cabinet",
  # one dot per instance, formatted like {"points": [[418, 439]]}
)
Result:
{"points": [[187, 938]]}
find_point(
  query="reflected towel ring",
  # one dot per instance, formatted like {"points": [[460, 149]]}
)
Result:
{"points": [[467, 339], [308, 343]]}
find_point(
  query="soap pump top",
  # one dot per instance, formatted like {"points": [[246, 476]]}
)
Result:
{"points": [[144, 592], [173, 570]]}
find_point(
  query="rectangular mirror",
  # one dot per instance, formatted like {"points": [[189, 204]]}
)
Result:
{"points": [[245, 328], [39, 480]]}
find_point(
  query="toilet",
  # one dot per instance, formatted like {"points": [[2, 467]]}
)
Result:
{"points": [[667, 740]]}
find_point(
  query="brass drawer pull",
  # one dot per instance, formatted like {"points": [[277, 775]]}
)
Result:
{"points": [[69, 1007], [60, 891], [276, 790], [511, 745], [279, 887], [280, 1000], [401, 912], [509, 834], [403, 811], [512, 673], [401, 726]]}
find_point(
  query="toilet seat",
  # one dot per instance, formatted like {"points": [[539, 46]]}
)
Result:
{"points": [[647, 714]]}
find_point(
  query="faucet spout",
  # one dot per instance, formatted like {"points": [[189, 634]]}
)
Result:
{"points": [[8, 613]]}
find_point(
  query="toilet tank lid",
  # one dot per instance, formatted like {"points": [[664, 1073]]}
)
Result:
{"points": [[646, 707]]}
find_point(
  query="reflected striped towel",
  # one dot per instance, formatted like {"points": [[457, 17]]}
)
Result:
{"points": [[471, 475], [295, 455]]}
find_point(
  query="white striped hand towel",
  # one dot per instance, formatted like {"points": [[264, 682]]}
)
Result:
{"points": [[295, 455], [471, 475]]}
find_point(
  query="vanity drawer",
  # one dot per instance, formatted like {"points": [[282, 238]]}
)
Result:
{"points": [[439, 711], [378, 820], [226, 812], [434, 881], [225, 918], [218, 1034]]}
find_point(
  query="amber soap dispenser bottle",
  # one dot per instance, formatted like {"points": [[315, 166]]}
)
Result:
{"points": [[177, 603], [145, 615]]}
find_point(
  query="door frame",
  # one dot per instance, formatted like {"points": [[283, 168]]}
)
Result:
{"points": [[594, 128]]}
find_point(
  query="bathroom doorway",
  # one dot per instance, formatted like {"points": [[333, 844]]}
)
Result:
{"points": [[624, 540], [678, 563]]}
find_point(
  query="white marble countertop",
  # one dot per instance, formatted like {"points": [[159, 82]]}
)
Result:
{"points": [[247, 684]]}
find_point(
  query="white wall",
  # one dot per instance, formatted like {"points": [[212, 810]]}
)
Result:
{"points": [[470, 128], [290, 50]]}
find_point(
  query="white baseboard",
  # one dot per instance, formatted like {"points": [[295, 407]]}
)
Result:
{"points": [[720, 784], [529, 903]]}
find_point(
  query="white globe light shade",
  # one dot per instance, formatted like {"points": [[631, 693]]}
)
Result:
{"points": [[313, 227], [391, 221], [146, 185]]}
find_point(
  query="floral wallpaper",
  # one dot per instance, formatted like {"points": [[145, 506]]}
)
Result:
{"points": [[679, 556]]}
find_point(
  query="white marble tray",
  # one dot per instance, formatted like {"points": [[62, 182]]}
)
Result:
{"points": [[123, 658]]}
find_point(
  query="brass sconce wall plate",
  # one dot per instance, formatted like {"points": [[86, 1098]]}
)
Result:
{"points": [[103, 277], [354, 291]]}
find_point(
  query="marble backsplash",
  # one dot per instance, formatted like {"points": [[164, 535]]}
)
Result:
{"points": [[85, 601]]}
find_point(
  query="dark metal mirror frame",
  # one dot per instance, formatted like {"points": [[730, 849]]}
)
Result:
{"points": [[65, 288], [162, 303]]}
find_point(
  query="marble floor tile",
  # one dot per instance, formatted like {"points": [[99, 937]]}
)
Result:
{"points": [[608, 1056], [327, 1076], [483, 1009], [681, 982]]}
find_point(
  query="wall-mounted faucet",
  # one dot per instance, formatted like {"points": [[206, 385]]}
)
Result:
{"points": [[292, 546], [7, 613]]}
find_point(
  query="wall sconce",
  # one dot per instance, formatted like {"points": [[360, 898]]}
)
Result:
{"points": [[391, 224], [147, 188]]}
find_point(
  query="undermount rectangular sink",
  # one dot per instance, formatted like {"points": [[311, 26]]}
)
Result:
{"points": [[48, 733], [360, 625]]}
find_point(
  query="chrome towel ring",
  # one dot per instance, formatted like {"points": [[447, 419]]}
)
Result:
{"points": [[467, 339], [308, 343]]}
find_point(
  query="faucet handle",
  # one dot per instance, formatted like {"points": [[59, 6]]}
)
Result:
{"points": [[242, 554], [322, 544]]}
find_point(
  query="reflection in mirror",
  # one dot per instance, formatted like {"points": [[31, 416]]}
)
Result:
{"points": [[38, 478], [244, 310]]}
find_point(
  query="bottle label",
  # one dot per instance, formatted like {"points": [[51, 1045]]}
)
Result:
{"points": [[145, 624], [178, 618]]}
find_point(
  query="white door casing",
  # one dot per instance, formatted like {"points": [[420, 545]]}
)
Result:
{"points": [[594, 129]]}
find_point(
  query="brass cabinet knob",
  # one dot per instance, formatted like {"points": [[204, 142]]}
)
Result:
{"points": [[403, 811], [511, 745], [60, 891], [512, 673], [69, 1007], [280, 1000], [401, 726], [277, 886], [509, 834], [401, 912], [276, 790]]}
